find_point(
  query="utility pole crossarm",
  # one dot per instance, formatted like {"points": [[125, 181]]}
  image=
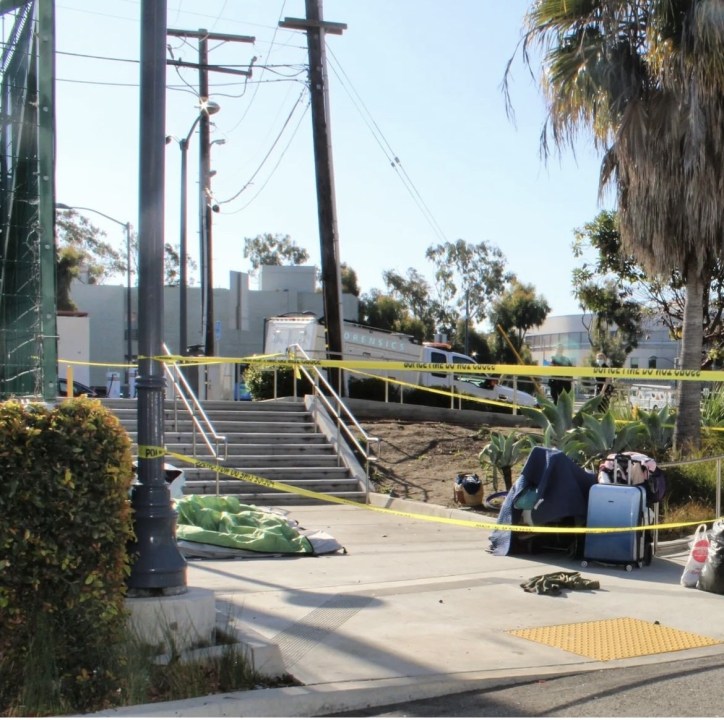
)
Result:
{"points": [[210, 35], [333, 28]]}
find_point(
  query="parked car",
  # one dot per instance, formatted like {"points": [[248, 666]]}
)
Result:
{"points": [[493, 389], [78, 389]]}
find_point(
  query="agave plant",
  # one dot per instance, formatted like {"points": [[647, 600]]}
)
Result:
{"points": [[556, 419], [502, 452], [596, 437], [712, 407], [657, 427]]}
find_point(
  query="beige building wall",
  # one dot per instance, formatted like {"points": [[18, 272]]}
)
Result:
{"points": [[239, 311]]}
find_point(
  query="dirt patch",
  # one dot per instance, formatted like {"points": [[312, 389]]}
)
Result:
{"points": [[420, 460]]}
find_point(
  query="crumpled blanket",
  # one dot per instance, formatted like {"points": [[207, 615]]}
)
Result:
{"points": [[226, 522], [552, 583]]}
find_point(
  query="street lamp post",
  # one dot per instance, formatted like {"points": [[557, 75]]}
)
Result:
{"points": [[127, 228], [207, 108]]}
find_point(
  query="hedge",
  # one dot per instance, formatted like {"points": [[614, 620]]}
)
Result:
{"points": [[65, 521]]}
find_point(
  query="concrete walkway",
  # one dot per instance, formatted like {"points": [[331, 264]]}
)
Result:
{"points": [[418, 609]]}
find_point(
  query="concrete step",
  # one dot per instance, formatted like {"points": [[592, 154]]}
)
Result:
{"points": [[274, 439], [227, 486], [231, 427], [125, 404], [242, 462], [290, 474], [241, 450], [131, 415], [272, 499]]}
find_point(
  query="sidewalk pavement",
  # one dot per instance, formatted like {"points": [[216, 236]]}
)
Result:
{"points": [[418, 609]]}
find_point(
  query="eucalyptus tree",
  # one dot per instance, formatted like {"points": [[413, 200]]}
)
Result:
{"points": [[413, 291], [350, 283], [82, 251], [514, 312], [467, 278], [273, 249], [607, 288], [646, 78]]}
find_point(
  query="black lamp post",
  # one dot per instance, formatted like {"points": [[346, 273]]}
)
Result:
{"points": [[207, 108], [158, 565], [127, 228]]}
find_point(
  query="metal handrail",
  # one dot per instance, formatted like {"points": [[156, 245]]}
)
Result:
{"points": [[337, 411], [184, 392]]}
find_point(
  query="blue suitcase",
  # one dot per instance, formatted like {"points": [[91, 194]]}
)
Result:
{"points": [[617, 506]]}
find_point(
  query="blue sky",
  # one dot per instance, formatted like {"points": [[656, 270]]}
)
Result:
{"points": [[416, 80]]}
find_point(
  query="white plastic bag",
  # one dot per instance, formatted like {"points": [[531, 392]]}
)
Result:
{"points": [[697, 557]]}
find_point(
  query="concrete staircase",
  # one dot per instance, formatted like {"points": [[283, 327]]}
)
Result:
{"points": [[274, 440]]}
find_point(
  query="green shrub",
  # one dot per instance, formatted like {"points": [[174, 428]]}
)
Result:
{"points": [[259, 380], [65, 521], [423, 397], [691, 483], [373, 389]]}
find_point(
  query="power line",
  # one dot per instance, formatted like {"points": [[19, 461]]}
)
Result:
{"points": [[178, 70], [97, 82], [177, 88], [256, 89], [386, 148], [269, 152], [276, 164], [97, 57]]}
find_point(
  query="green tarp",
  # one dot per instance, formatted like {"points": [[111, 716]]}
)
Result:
{"points": [[226, 522]]}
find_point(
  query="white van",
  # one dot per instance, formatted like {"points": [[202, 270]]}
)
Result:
{"points": [[652, 397]]}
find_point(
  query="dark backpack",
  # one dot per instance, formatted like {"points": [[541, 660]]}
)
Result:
{"points": [[634, 468]]}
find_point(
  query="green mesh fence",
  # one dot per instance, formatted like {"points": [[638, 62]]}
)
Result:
{"points": [[28, 341]]}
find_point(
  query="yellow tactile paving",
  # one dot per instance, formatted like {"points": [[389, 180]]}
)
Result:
{"points": [[615, 639]]}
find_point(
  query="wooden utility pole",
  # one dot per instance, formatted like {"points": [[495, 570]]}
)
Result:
{"points": [[316, 29], [205, 205], [205, 217]]}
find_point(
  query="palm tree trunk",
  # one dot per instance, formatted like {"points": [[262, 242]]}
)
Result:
{"points": [[687, 429]]}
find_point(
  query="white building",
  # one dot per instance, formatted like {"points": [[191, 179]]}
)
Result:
{"points": [[655, 349], [239, 314]]}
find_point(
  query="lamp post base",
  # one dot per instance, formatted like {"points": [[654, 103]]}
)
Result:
{"points": [[157, 563]]}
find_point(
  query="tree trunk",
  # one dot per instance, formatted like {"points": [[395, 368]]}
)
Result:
{"points": [[687, 428]]}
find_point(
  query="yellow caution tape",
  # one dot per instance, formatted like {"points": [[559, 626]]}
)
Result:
{"points": [[150, 452], [96, 364], [438, 391], [652, 374]]}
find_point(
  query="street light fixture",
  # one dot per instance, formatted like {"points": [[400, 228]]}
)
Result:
{"points": [[209, 107], [127, 227]]}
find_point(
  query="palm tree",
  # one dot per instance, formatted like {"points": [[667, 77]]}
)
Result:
{"points": [[646, 77]]}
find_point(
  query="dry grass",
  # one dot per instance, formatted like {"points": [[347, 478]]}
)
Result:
{"points": [[691, 511]]}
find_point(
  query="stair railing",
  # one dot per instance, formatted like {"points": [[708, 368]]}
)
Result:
{"points": [[344, 420], [200, 422]]}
